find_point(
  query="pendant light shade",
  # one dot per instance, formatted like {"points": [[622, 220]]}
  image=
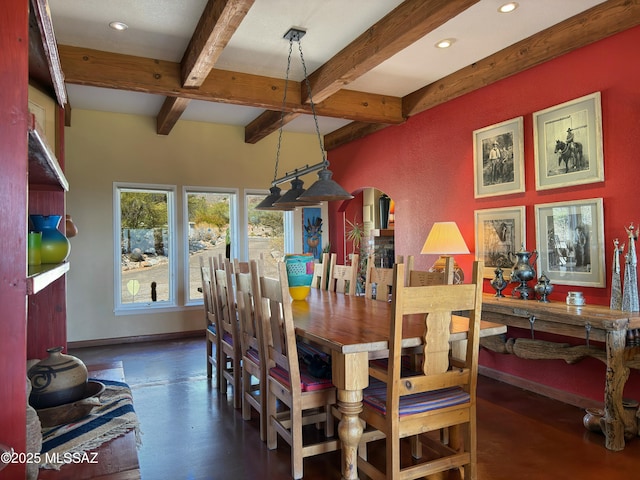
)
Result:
{"points": [[325, 189], [290, 199], [267, 203]]}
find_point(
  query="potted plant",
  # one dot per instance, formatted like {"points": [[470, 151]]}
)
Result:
{"points": [[355, 234]]}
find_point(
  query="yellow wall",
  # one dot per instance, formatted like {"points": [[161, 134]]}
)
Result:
{"points": [[103, 148]]}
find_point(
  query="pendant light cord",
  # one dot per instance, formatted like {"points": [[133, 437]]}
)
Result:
{"points": [[313, 108], [284, 103]]}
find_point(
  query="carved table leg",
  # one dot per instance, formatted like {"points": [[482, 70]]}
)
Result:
{"points": [[617, 375], [350, 374]]}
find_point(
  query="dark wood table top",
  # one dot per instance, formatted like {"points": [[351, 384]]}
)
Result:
{"points": [[351, 324]]}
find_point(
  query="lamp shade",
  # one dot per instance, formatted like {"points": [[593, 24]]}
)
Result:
{"points": [[445, 239], [325, 189], [290, 198], [268, 202]]}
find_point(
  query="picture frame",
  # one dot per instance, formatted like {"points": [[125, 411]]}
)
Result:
{"points": [[570, 241], [500, 232], [498, 159], [560, 162]]}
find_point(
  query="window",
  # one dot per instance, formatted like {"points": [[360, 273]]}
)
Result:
{"points": [[144, 242], [210, 230], [266, 233]]}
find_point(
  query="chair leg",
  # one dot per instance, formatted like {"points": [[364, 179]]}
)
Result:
{"points": [[209, 353], [237, 383], [296, 444], [272, 435], [246, 389], [329, 427]]}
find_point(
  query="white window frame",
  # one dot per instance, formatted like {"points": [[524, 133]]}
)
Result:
{"points": [[233, 222], [141, 308], [289, 232]]}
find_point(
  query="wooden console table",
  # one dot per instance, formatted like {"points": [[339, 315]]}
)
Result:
{"points": [[117, 459], [590, 323]]}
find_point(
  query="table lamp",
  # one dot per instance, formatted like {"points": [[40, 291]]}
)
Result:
{"points": [[445, 240]]}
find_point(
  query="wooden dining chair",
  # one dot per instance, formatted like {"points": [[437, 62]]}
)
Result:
{"points": [[294, 397], [210, 319], [252, 344], [343, 278], [441, 395], [229, 361], [416, 278], [381, 278], [320, 273]]}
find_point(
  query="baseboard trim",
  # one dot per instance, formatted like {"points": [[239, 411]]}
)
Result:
{"points": [[101, 342], [539, 388]]}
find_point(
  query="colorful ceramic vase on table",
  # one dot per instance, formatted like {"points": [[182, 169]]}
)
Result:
{"points": [[54, 246], [299, 273]]}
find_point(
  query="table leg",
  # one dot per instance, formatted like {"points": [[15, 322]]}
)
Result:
{"points": [[617, 375], [350, 374]]}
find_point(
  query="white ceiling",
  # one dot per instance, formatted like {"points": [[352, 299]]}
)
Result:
{"points": [[161, 29]]}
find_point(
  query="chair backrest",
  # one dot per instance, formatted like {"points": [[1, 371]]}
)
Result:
{"points": [[320, 273], [242, 267], [381, 277], [207, 292], [226, 303], [248, 303], [415, 278], [343, 278], [279, 330], [434, 305]]}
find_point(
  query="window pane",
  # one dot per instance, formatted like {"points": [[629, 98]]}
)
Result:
{"points": [[209, 232], [145, 240], [265, 234]]}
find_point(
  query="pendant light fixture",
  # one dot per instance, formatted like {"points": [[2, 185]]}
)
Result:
{"points": [[324, 189]]}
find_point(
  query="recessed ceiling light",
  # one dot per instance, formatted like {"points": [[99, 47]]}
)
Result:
{"points": [[120, 26], [446, 43], [508, 7]]}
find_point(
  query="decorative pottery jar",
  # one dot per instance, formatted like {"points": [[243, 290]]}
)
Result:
{"points": [[54, 246], [300, 274], [56, 380], [593, 420], [523, 272], [70, 227]]}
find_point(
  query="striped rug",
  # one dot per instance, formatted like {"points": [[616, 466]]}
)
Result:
{"points": [[114, 417]]}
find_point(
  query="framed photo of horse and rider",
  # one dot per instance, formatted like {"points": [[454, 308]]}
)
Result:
{"points": [[567, 149]]}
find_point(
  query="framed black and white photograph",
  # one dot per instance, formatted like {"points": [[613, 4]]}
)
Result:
{"points": [[498, 159], [500, 232], [570, 241], [568, 143]]}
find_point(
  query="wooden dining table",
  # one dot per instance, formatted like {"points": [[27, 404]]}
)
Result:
{"points": [[356, 329]]}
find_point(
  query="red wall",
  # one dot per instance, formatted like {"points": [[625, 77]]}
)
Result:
{"points": [[426, 166]]}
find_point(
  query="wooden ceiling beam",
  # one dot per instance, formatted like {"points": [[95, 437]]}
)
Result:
{"points": [[597, 23], [219, 21], [406, 24], [171, 111], [267, 122], [158, 77]]}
